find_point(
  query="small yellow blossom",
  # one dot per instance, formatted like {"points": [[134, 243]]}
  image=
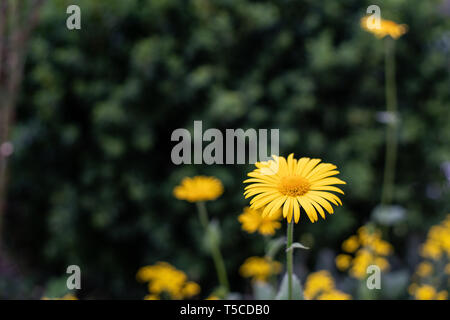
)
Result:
{"points": [[351, 244], [369, 249], [385, 28], [164, 278], [252, 221], [190, 289], [199, 188], [425, 292], [424, 269], [343, 261], [317, 282], [320, 286], [259, 269]]}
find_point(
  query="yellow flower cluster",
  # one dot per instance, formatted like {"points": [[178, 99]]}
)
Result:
{"points": [[164, 278], [431, 273], [438, 241], [252, 221], [368, 248], [320, 286], [198, 188], [385, 28], [427, 292], [259, 268]]}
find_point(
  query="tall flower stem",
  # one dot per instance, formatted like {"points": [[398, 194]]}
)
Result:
{"points": [[391, 130], [214, 248], [289, 256]]}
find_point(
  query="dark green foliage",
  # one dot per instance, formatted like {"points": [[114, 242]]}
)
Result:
{"points": [[91, 179]]}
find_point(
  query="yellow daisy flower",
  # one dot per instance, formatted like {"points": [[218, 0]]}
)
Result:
{"points": [[291, 184], [259, 269], [198, 188], [386, 27], [252, 221]]}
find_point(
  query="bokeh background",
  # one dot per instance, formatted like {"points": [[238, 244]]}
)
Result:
{"points": [[91, 177]]}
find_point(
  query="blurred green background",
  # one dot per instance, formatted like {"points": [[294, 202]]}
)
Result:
{"points": [[91, 178]]}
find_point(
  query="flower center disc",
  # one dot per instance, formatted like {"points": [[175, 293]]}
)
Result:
{"points": [[294, 186]]}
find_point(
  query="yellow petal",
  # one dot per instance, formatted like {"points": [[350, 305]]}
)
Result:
{"points": [[296, 210], [309, 209]]}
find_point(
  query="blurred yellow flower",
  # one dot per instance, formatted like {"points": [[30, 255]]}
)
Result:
{"points": [[164, 278], [369, 249], [425, 292], [447, 269], [351, 244], [442, 295], [424, 269], [436, 251], [293, 184], [318, 282], [212, 297], [151, 297], [190, 289], [362, 260], [385, 28], [320, 286], [438, 241], [198, 188], [334, 295], [259, 269], [343, 261], [253, 221]]}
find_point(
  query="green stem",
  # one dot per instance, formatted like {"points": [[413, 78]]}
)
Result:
{"points": [[289, 256], [214, 247], [202, 214], [391, 130]]}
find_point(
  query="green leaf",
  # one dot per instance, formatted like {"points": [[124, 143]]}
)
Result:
{"points": [[296, 245], [263, 291], [274, 246], [297, 291]]}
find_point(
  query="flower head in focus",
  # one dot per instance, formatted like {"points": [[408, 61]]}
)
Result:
{"points": [[385, 28], [292, 184], [252, 221], [259, 268], [198, 188]]}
